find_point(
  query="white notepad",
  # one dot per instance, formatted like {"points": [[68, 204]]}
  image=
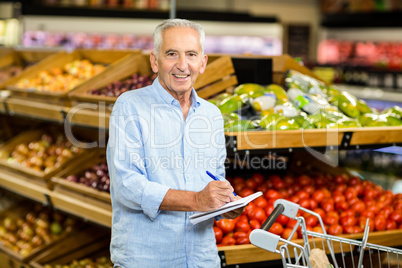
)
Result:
{"points": [[202, 216]]}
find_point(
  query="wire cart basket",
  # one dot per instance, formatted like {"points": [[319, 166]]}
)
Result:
{"points": [[343, 252]]}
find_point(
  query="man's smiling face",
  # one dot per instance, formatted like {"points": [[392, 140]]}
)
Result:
{"points": [[180, 60]]}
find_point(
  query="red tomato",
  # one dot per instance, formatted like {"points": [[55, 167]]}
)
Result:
{"points": [[391, 225], [335, 229], [277, 182], [348, 221], [269, 208], [318, 229], [386, 211], [359, 206], [276, 228], [242, 240], [294, 199], [254, 224], [272, 194], [350, 193], [331, 220], [291, 223], [238, 187], [286, 232], [396, 216], [354, 180], [368, 214], [313, 204], [320, 212], [363, 221], [341, 205], [327, 205], [283, 220], [338, 197], [289, 180], [228, 241], [250, 183], [302, 194], [246, 192], [237, 180], [242, 218], [242, 226], [318, 195], [249, 207], [284, 192], [368, 192], [258, 178], [380, 223], [262, 188], [257, 214], [305, 203], [311, 221], [218, 234], [304, 180], [320, 180], [348, 229], [342, 178], [239, 234], [226, 225], [261, 202], [347, 212]]}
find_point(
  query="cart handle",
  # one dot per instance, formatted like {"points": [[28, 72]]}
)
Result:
{"points": [[272, 217]]}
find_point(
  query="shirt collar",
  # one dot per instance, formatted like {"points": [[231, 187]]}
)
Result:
{"points": [[167, 98]]}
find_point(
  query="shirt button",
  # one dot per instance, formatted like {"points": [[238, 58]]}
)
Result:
{"points": [[189, 228]]}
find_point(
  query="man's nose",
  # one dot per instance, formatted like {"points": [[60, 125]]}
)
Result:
{"points": [[182, 63]]}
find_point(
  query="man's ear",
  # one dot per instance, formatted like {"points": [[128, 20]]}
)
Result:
{"points": [[154, 62], [203, 63]]}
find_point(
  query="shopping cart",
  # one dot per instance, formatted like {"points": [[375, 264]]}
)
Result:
{"points": [[340, 250]]}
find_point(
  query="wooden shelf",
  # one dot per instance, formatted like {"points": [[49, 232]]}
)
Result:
{"points": [[31, 108], [241, 254], [342, 137], [69, 202]]}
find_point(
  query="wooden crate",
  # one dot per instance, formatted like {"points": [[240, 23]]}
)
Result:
{"points": [[80, 191], [106, 57], [20, 211], [283, 63], [135, 63], [219, 76], [32, 135], [95, 249], [23, 57]]}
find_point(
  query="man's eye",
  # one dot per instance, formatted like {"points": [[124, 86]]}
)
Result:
{"points": [[171, 54]]}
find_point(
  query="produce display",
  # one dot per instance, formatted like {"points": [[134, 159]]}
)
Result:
{"points": [[101, 262], [45, 154], [343, 202], [23, 234], [10, 71], [304, 103], [61, 79], [117, 88], [96, 177]]}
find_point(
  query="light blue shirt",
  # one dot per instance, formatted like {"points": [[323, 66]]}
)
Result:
{"points": [[151, 149]]}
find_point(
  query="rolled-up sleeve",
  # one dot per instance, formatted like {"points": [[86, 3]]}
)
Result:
{"points": [[130, 185]]}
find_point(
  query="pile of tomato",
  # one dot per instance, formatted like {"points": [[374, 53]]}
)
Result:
{"points": [[343, 202]]}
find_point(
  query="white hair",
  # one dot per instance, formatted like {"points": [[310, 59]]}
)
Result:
{"points": [[171, 23]]}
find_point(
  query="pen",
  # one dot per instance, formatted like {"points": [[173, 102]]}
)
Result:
{"points": [[216, 179]]}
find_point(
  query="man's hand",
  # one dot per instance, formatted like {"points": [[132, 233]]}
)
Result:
{"points": [[214, 195], [234, 213]]}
